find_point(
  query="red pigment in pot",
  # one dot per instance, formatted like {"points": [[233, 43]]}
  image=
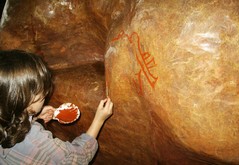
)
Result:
{"points": [[67, 113]]}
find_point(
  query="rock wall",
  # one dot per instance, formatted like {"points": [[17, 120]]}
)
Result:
{"points": [[170, 67]]}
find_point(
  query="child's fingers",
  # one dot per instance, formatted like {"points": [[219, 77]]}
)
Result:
{"points": [[111, 108], [108, 108], [102, 102], [52, 111], [111, 105], [50, 108], [108, 103]]}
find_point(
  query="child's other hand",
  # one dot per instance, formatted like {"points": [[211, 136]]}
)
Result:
{"points": [[46, 113], [104, 110]]}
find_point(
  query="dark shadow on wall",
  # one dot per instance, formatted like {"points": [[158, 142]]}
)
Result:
{"points": [[2, 3]]}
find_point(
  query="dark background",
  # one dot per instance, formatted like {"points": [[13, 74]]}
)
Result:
{"points": [[2, 2]]}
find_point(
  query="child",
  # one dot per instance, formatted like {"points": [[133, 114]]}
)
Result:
{"points": [[25, 82]]}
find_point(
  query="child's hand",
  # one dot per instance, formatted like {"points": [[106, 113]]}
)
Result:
{"points": [[46, 113], [104, 110]]}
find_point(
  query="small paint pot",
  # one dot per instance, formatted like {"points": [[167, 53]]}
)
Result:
{"points": [[67, 113]]}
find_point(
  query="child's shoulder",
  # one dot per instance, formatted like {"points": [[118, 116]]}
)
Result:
{"points": [[37, 131]]}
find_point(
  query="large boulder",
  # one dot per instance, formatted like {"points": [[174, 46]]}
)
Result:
{"points": [[174, 66]]}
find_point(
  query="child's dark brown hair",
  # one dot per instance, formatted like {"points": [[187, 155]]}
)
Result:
{"points": [[22, 76]]}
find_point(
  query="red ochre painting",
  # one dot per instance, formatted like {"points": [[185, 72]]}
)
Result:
{"points": [[145, 60]]}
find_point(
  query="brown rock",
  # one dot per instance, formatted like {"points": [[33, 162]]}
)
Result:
{"points": [[63, 32], [180, 59]]}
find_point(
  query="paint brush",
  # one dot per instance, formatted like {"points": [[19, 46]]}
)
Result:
{"points": [[107, 89]]}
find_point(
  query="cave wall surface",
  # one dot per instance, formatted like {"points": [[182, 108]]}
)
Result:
{"points": [[170, 67]]}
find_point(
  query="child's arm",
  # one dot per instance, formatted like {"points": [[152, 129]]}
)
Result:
{"points": [[104, 111]]}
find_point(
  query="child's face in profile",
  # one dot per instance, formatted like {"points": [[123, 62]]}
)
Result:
{"points": [[36, 105]]}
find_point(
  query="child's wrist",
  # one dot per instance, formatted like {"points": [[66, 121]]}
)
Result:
{"points": [[98, 121]]}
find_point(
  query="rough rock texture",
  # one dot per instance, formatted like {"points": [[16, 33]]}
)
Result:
{"points": [[64, 32], [171, 69], [185, 69]]}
